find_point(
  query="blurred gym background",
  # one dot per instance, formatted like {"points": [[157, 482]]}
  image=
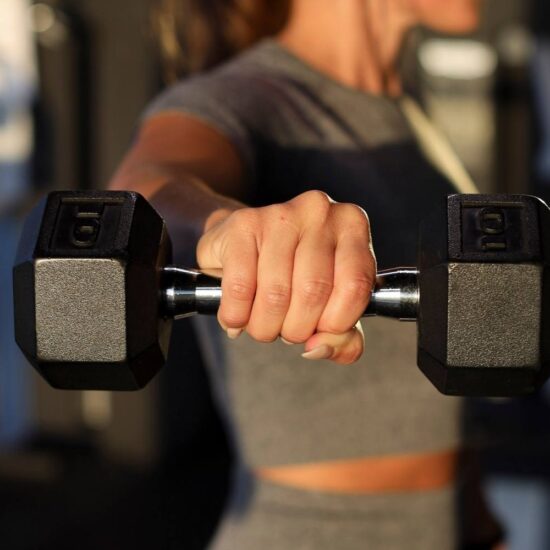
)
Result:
{"points": [[150, 469]]}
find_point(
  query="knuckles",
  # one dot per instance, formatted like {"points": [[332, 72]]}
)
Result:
{"points": [[358, 288], [352, 216], [315, 204], [352, 211], [314, 293], [245, 220], [276, 298], [280, 212], [239, 290], [319, 207], [315, 196], [312, 208]]}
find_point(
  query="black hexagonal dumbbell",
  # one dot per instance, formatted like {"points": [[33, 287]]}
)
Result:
{"points": [[484, 312], [86, 293], [94, 292]]}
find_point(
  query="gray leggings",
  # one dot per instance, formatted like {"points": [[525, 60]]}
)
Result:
{"points": [[279, 518]]}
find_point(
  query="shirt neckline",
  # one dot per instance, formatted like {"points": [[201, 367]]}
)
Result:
{"points": [[321, 78]]}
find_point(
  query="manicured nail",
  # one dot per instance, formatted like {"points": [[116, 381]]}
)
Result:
{"points": [[321, 352], [287, 342], [234, 333]]}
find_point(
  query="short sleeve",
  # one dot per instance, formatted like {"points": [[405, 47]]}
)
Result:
{"points": [[219, 102]]}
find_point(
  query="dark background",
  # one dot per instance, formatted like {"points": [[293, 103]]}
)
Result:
{"points": [[152, 469]]}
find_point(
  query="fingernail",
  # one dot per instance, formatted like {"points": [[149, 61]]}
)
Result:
{"points": [[234, 333], [321, 352], [287, 342]]}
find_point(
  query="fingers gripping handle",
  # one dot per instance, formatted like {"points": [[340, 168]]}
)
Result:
{"points": [[186, 292]]}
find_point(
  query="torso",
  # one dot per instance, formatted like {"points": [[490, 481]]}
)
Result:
{"points": [[298, 130]]}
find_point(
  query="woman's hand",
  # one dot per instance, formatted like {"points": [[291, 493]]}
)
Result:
{"points": [[302, 270]]}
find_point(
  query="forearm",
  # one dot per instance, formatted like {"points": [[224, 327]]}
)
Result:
{"points": [[188, 171], [186, 203]]}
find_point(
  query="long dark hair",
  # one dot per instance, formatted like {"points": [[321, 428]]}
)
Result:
{"points": [[195, 35]]}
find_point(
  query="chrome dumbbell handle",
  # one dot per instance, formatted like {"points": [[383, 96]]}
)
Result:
{"points": [[186, 292]]}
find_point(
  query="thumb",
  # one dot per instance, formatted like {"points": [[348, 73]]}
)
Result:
{"points": [[345, 348]]}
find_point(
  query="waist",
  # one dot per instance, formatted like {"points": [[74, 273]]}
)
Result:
{"points": [[379, 474]]}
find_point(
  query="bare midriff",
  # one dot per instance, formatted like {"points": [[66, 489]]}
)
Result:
{"points": [[378, 474]]}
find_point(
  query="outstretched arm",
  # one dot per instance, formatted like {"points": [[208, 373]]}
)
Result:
{"points": [[302, 270]]}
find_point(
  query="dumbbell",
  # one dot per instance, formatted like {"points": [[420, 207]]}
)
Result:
{"points": [[95, 293]]}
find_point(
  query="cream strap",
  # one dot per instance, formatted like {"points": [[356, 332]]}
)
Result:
{"points": [[436, 147]]}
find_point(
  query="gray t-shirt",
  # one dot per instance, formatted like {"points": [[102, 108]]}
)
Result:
{"points": [[297, 129]]}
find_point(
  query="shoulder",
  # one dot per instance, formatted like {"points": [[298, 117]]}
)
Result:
{"points": [[231, 99], [239, 86]]}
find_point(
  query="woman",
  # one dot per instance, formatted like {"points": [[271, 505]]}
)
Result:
{"points": [[308, 128]]}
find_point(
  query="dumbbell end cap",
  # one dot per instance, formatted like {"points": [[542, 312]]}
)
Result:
{"points": [[130, 376], [476, 382], [86, 297]]}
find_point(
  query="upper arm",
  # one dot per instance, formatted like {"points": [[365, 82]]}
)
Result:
{"points": [[176, 145]]}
